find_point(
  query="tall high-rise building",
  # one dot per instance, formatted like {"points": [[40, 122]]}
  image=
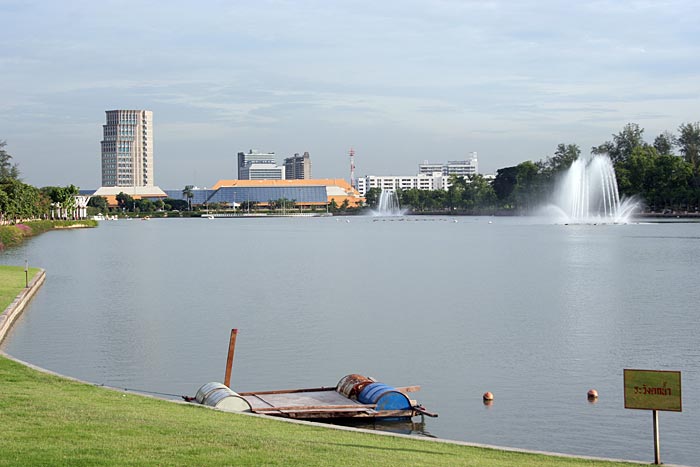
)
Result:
{"points": [[298, 167], [127, 149]]}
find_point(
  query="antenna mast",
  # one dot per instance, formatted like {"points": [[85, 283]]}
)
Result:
{"points": [[352, 168]]}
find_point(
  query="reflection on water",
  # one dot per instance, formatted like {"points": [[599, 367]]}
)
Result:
{"points": [[403, 427], [535, 313]]}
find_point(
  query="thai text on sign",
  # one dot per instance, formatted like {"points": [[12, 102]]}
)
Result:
{"points": [[653, 390]]}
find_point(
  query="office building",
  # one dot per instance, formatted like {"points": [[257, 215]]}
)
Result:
{"points": [[255, 165], [127, 149], [297, 167]]}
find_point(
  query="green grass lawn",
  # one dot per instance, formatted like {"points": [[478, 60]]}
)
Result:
{"points": [[51, 421], [46, 420], [12, 281]]}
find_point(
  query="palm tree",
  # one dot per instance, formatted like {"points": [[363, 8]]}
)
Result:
{"points": [[188, 194]]}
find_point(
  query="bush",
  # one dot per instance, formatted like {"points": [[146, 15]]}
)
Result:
{"points": [[13, 235]]}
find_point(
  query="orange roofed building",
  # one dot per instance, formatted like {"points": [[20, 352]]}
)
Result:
{"points": [[319, 192]]}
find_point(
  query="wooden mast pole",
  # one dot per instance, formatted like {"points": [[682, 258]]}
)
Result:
{"points": [[229, 360]]}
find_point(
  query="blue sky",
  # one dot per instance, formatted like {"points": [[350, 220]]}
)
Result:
{"points": [[399, 81]]}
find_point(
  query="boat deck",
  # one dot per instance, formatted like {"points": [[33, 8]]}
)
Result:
{"points": [[315, 403]]}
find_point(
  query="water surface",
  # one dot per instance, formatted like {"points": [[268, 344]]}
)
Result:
{"points": [[535, 313]]}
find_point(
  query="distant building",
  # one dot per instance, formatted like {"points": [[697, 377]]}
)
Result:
{"points": [[127, 149], [432, 181], [152, 193], [305, 194], [255, 165], [297, 167], [431, 176], [460, 168]]}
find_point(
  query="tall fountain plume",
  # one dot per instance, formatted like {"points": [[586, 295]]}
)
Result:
{"points": [[588, 193], [388, 204]]}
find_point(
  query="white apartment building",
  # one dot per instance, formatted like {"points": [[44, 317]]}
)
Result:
{"points": [[127, 149], [433, 181], [463, 168]]}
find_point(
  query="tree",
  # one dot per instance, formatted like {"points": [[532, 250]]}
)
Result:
{"points": [[99, 202], [479, 194], [504, 184], [8, 171], [124, 201], [664, 143], [689, 144], [143, 205], [634, 175], [333, 206], [456, 191], [188, 194], [563, 157], [63, 204], [248, 206], [412, 198], [372, 197], [20, 201], [620, 148], [530, 188], [175, 204]]}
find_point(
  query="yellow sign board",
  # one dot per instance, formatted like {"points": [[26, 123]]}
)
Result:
{"points": [[653, 390]]}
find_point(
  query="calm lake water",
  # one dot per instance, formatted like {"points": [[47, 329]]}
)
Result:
{"points": [[534, 312]]}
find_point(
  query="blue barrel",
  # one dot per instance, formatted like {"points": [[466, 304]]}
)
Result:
{"points": [[386, 397]]}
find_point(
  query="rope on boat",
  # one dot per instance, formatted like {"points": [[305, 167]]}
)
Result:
{"points": [[144, 391]]}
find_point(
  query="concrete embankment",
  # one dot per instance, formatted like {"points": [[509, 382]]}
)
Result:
{"points": [[17, 306]]}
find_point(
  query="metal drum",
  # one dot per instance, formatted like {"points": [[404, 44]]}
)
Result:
{"points": [[206, 389], [351, 385], [221, 397], [386, 397]]}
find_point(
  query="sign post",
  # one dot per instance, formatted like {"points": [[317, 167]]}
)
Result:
{"points": [[653, 390]]}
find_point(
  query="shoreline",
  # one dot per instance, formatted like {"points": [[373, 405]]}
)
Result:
{"points": [[15, 309]]}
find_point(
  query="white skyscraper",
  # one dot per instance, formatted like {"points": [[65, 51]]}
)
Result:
{"points": [[127, 149]]}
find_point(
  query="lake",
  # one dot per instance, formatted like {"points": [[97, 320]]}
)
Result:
{"points": [[534, 312]]}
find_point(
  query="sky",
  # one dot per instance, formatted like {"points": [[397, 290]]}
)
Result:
{"points": [[400, 82]]}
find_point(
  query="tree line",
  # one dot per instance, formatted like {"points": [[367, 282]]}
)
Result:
{"points": [[20, 201], [663, 174]]}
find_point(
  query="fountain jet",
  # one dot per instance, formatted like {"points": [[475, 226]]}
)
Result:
{"points": [[587, 194], [388, 204]]}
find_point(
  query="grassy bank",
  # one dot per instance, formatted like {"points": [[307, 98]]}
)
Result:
{"points": [[52, 421], [13, 235], [12, 281]]}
